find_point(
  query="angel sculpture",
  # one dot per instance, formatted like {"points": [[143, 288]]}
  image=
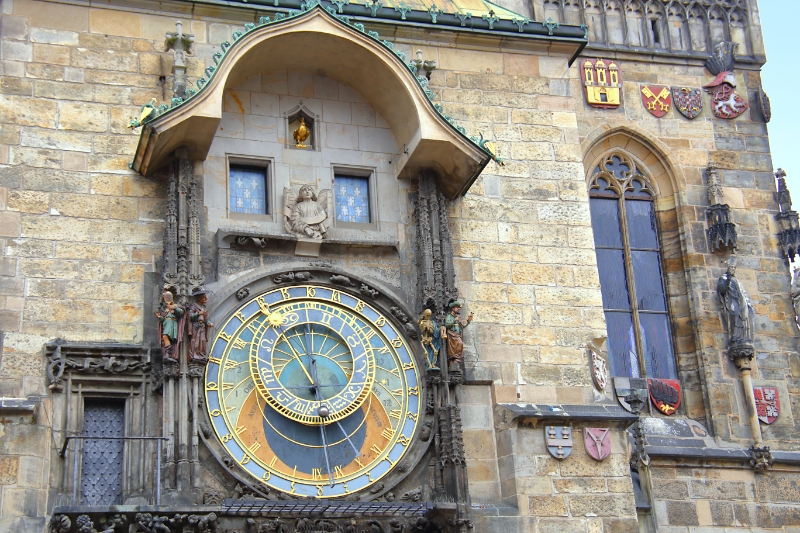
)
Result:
{"points": [[307, 213]]}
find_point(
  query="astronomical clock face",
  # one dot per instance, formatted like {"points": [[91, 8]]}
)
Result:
{"points": [[312, 391]]}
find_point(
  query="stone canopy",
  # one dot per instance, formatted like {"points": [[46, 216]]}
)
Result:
{"points": [[317, 41]]}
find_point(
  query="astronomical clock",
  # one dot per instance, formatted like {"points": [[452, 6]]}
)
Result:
{"points": [[313, 391]]}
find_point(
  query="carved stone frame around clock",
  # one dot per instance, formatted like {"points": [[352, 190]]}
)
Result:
{"points": [[224, 302]]}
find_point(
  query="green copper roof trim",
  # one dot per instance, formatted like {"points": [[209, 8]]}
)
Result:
{"points": [[225, 46]]}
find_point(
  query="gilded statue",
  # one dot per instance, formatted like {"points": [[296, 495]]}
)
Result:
{"points": [[170, 324], [431, 338], [455, 329], [307, 213], [199, 327], [301, 133]]}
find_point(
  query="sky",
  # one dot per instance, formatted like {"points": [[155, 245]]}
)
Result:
{"points": [[781, 81]]}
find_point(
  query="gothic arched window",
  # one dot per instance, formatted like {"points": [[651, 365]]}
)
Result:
{"points": [[629, 264]]}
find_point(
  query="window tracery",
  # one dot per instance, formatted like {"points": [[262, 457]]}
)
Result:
{"points": [[629, 264], [676, 25]]}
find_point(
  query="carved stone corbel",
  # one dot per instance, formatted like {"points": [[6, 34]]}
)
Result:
{"points": [[721, 231]]}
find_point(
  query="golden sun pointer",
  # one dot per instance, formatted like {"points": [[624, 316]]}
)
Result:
{"points": [[275, 319]]}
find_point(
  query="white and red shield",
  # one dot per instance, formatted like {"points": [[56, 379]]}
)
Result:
{"points": [[768, 404], [598, 442], [599, 370], [725, 102], [656, 99], [688, 101], [665, 394]]}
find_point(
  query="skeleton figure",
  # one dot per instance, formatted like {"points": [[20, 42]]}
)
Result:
{"points": [[431, 338], [307, 212], [737, 311]]}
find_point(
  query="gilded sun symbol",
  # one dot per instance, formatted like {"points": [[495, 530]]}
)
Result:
{"points": [[384, 382], [275, 319]]}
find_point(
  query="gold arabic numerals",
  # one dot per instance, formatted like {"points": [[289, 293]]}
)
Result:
{"points": [[216, 412], [336, 296], [381, 321], [211, 385], [285, 294], [311, 292], [359, 306], [240, 316], [413, 391], [405, 441]]}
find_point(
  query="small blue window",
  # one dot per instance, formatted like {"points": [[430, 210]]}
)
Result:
{"points": [[248, 190], [352, 199]]}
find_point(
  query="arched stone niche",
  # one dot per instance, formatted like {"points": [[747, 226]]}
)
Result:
{"points": [[322, 44]]}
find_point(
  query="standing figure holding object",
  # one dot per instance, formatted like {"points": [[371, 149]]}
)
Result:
{"points": [[455, 328], [796, 294], [738, 313], [170, 324], [199, 327]]}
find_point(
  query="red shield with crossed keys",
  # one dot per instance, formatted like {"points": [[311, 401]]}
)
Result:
{"points": [[656, 99], [768, 404], [598, 442]]}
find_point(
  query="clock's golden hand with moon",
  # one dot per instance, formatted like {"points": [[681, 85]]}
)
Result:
{"points": [[313, 391]]}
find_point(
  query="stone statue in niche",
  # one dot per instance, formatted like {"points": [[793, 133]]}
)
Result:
{"points": [[170, 324], [307, 213], [455, 329], [737, 311], [431, 338], [796, 294], [199, 328]]}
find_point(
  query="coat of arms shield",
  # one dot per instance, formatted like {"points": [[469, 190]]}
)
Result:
{"points": [[725, 101], [558, 440], [768, 404], [597, 442], [665, 394], [688, 101], [656, 99]]}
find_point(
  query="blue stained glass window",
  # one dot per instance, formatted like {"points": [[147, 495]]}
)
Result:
{"points": [[248, 190], [352, 199], [627, 261]]}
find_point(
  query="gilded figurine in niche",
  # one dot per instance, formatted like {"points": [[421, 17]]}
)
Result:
{"points": [[170, 324], [308, 213], [737, 311], [455, 330], [199, 327], [431, 338], [301, 133]]}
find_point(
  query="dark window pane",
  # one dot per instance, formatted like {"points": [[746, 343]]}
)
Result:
{"points": [[649, 284], [248, 191], [621, 345], [641, 224], [613, 282], [605, 222], [658, 355], [352, 199]]}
